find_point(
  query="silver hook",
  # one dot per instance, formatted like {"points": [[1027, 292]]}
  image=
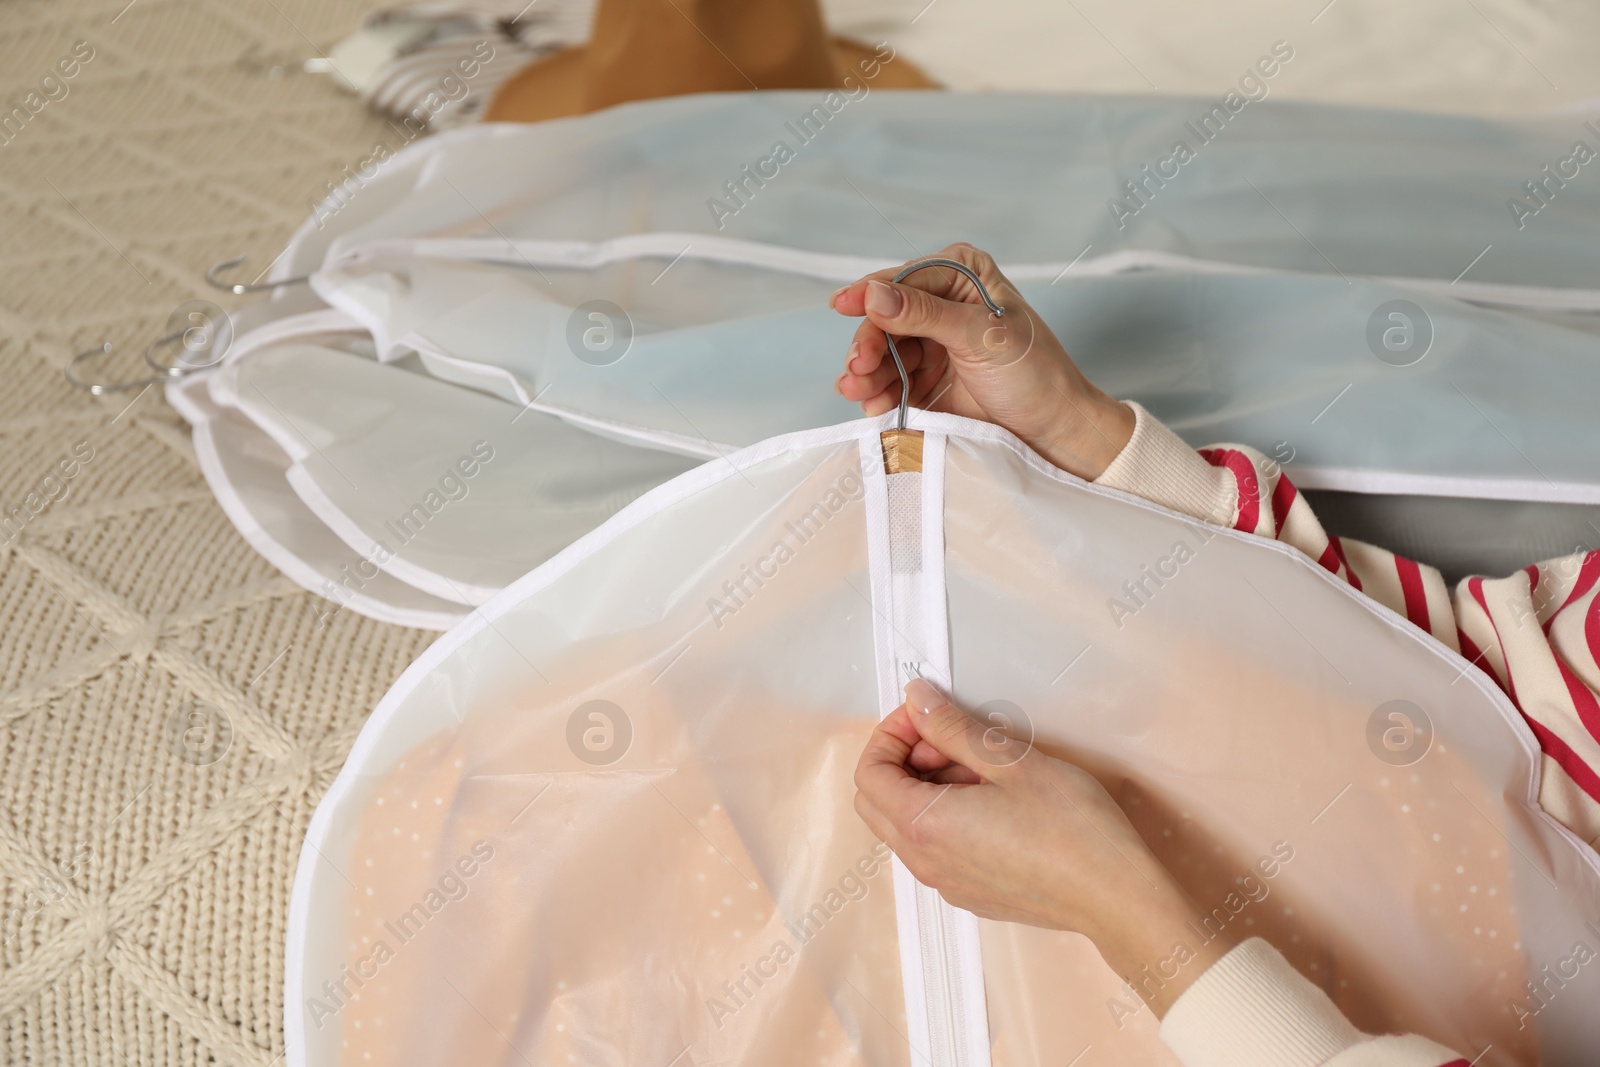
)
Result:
{"points": [[972, 276], [241, 288], [167, 371]]}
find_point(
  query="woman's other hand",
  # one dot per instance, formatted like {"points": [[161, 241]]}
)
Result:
{"points": [[1009, 833], [1011, 371]]}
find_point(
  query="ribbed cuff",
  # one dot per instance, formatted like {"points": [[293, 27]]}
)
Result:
{"points": [[1251, 1009], [1159, 466]]}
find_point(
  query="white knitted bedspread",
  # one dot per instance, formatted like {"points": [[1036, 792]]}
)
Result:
{"points": [[145, 868]]}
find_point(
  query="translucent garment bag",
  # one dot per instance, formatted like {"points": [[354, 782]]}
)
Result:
{"points": [[1259, 357], [1379, 192], [1344, 289], [506, 492], [247, 470], [478, 358], [607, 820]]}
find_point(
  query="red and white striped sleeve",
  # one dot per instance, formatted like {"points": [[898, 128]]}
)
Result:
{"points": [[1536, 632]]}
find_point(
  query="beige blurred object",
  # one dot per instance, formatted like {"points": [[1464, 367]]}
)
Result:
{"points": [[1488, 57], [641, 49], [144, 891]]}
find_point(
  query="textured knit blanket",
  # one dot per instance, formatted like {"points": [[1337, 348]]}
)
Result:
{"points": [[170, 709]]}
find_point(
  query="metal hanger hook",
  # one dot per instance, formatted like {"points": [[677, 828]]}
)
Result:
{"points": [[241, 288], [102, 388], [972, 276], [166, 371]]}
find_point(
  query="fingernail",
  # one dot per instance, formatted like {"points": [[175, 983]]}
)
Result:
{"points": [[922, 695], [836, 294], [850, 356], [883, 299]]}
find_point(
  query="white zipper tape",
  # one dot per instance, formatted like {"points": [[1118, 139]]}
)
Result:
{"points": [[941, 961]]}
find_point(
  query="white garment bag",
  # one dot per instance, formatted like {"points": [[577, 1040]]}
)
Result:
{"points": [[608, 819], [1342, 287]]}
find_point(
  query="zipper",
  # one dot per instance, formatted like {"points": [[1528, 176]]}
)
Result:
{"points": [[940, 955], [937, 941]]}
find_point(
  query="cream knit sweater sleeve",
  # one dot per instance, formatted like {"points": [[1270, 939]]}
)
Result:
{"points": [[1251, 1009], [1536, 633]]}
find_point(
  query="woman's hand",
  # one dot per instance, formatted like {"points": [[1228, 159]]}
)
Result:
{"points": [[1011, 371], [1008, 833]]}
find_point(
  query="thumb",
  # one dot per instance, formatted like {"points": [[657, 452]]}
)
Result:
{"points": [[959, 737], [967, 331], [906, 311]]}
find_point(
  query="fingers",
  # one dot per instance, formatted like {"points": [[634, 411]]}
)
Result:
{"points": [[934, 766], [931, 385], [869, 370], [887, 400], [931, 374], [878, 390], [935, 315], [883, 829], [986, 752], [922, 393], [908, 311], [941, 282], [954, 774], [883, 778], [938, 303], [925, 759]]}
